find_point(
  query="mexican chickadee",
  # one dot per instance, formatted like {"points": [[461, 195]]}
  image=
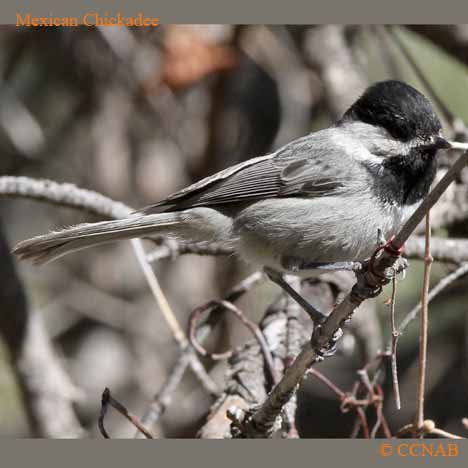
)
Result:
{"points": [[317, 203]]}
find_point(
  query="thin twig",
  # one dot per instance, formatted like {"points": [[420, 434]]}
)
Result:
{"points": [[293, 346], [364, 376], [373, 398], [363, 420], [179, 335], [462, 270], [102, 415], [428, 427], [158, 294], [376, 427], [167, 392], [375, 362], [62, 194], [406, 429], [177, 331], [357, 422], [445, 434], [108, 400], [245, 286], [350, 401], [395, 335], [380, 413], [253, 327], [447, 250], [326, 381], [419, 418], [163, 398]]}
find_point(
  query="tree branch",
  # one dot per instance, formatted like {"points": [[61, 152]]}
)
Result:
{"points": [[447, 250], [428, 260]]}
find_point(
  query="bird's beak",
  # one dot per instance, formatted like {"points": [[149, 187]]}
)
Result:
{"points": [[441, 143]]}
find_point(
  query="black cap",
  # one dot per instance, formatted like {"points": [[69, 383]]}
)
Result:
{"points": [[397, 107]]}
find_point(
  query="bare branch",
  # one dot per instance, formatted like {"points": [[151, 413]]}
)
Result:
{"points": [[108, 400], [253, 328], [435, 291], [395, 336], [158, 294], [445, 434], [246, 383], [442, 249], [68, 195], [293, 347], [428, 260], [165, 395], [326, 381]]}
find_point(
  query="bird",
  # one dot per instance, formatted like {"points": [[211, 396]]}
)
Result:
{"points": [[317, 203]]}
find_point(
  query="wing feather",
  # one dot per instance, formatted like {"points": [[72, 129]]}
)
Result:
{"points": [[306, 167]]}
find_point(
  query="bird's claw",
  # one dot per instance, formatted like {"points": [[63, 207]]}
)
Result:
{"points": [[330, 348]]}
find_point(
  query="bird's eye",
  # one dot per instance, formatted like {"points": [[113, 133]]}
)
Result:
{"points": [[435, 142]]}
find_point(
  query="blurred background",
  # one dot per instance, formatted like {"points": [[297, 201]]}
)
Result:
{"points": [[136, 114]]}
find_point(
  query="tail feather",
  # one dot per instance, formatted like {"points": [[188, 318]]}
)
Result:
{"points": [[49, 247]]}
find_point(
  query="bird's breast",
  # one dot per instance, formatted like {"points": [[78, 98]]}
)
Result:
{"points": [[321, 230]]}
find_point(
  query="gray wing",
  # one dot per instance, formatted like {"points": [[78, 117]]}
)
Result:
{"points": [[308, 167]]}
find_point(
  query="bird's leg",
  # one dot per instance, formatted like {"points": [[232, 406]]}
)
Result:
{"points": [[295, 264], [330, 348], [277, 278], [383, 244]]}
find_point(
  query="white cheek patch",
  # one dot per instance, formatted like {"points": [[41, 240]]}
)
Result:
{"points": [[375, 142]]}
